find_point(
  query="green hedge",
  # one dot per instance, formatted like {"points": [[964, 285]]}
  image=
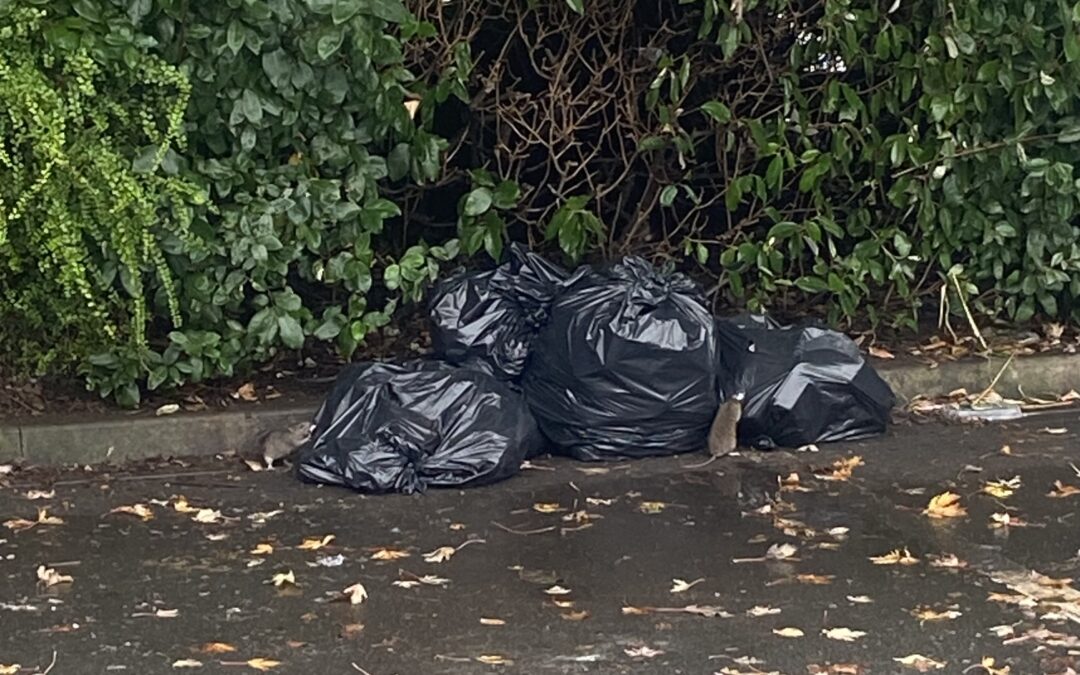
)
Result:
{"points": [[190, 189]]}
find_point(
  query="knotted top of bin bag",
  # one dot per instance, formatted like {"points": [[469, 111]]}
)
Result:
{"points": [[404, 427], [808, 385], [487, 320], [623, 367]]}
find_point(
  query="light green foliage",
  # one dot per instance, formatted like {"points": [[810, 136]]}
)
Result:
{"points": [[295, 128], [90, 126]]}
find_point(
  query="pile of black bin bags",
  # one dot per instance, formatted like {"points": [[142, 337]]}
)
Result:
{"points": [[603, 364]]}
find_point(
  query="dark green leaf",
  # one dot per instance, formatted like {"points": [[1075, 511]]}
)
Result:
{"points": [[393, 11], [292, 334], [576, 5], [344, 10], [478, 202], [330, 42], [717, 110], [251, 106]]}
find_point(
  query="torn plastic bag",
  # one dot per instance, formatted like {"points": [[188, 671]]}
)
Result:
{"points": [[487, 320], [623, 367], [401, 428], [806, 385]]}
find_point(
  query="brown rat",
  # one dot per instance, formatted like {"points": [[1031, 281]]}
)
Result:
{"points": [[282, 443], [724, 432]]}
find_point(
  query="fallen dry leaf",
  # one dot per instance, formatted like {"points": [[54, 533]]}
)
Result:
{"points": [[282, 578], [557, 590], [948, 561], [835, 669], [708, 611], [411, 106], [264, 548], [841, 469], [762, 610], [1000, 520], [9, 669], [842, 634], [356, 594], [788, 632], [945, 505], [181, 505], [1062, 490], [1054, 431], [217, 536], [988, 664], [880, 353], [51, 577], [441, 554], [651, 508], [781, 551], [160, 613], [140, 510], [351, 630], [43, 518], [492, 622], [643, 652], [217, 648], [260, 517], [860, 599], [389, 554], [562, 603], [207, 516], [923, 664], [187, 663], [167, 409], [597, 501], [494, 660], [262, 664], [547, 507], [255, 466], [924, 614], [315, 543], [679, 585], [246, 392], [38, 494], [580, 615], [815, 579], [405, 583], [895, 557], [1002, 489]]}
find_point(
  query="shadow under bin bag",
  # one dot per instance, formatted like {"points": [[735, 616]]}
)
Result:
{"points": [[806, 385], [624, 366], [404, 427], [487, 320]]}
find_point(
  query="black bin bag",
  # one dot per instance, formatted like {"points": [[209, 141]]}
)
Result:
{"points": [[487, 320], [624, 366], [403, 427], [806, 385]]}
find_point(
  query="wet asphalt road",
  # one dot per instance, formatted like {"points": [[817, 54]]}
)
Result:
{"points": [[567, 568]]}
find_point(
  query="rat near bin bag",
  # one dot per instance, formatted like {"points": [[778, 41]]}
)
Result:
{"points": [[487, 320], [404, 427], [623, 367], [806, 385]]}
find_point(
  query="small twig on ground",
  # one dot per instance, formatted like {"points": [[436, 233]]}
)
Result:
{"points": [[470, 541], [993, 383], [523, 532], [967, 313], [51, 664], [359, 669]]}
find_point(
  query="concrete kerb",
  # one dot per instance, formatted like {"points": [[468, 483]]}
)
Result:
{"points": [[119, 438]]}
